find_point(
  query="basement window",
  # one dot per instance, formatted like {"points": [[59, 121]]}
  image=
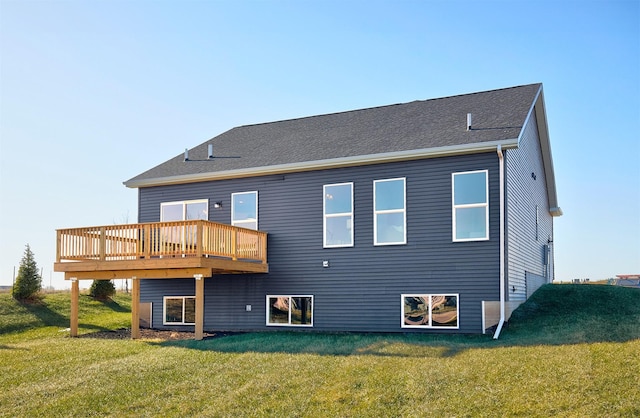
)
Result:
{"points": [[430, 311], [290, 310], [179, 310]]}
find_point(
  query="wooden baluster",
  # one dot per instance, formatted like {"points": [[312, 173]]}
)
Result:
{"points": [[147, 241], [58, 245], [103, 243], [263, 250], [199, 238], [234, 238]]}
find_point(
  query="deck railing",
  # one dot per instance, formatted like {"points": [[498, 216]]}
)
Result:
{"points": [[195, 238]]}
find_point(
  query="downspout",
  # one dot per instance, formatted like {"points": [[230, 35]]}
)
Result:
{"points": [[502, 284]]}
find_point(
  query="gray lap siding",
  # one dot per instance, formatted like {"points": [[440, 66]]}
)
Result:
{"points": [[361, 289], [526, 189]]}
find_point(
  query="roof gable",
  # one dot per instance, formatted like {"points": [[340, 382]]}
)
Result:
{"points": [[418, 129]]}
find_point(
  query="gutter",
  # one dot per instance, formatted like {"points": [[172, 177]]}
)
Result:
{"points": [[502, 284], [324, 164]]}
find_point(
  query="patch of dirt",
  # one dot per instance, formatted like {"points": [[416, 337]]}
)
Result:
{"points": [[150, 334]]}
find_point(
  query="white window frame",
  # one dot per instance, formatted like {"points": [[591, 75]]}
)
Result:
{"points": [[184, 207], [289, 324], [164, 310], [325, 216], [241, 222], [429, 295], [381, 212], [184, 233], [470, 205]]}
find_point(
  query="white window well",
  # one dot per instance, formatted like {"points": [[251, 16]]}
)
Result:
{"points": [[470, 205], [244, 210], [389, 212], [179, 310], [430, 311], [290, 310], [338, 215]]}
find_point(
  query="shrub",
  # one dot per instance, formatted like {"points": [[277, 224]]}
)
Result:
{"points": [[102, 289], [28, 282]]}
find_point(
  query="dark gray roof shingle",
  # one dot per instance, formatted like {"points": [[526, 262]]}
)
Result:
{"points": [[497, 115]]}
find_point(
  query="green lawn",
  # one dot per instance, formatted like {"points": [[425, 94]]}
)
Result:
{"points": [[571, 350]]}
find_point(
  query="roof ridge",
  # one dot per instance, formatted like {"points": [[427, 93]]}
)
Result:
{"points": [[384, 106]]}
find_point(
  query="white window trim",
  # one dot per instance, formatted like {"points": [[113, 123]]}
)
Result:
{"points": [[289, 324], [471, 205], [380, 212], [335, 215], [240, 223], [184, 206], [403, 325], [164, 310]]}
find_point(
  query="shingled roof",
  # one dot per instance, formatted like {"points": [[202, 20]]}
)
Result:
{"points": [[419, 129]]}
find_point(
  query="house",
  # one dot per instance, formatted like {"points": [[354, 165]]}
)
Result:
{"points": [[627, 280], [428, 216]]}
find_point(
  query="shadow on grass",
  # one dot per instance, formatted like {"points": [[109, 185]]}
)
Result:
{"points": [[8, 347], [387, 345], [49, 317], [113, 305], [338, 344]]}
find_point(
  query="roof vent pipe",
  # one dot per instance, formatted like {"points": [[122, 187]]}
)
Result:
{"points": [[468, 121], [186, 154], [210, 151]]}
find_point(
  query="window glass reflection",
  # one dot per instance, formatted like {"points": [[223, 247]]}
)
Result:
{"points": [[290, 310], [389, 194], [430, 311], [470, 188]]}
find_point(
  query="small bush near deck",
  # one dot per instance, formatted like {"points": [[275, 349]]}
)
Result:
{"points": [[102, 289]]}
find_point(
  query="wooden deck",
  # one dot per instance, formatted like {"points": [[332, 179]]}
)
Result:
{"points": [[161, 250]]}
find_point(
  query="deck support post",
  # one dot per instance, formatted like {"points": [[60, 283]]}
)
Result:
{"points": [[75, 291], [135, 308], [199, 306]]}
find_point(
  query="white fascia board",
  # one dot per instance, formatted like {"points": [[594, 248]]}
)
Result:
{"points": [[545, 146], [326, 164], [555, 211]]}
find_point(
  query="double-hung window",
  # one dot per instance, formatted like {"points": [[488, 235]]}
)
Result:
{"points": [[290, 310], [338, 215], [179, 310], [244, 210], [470, 205], [389, 212]]}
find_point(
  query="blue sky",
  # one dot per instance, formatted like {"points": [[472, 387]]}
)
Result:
{"points": [[94, 93]]}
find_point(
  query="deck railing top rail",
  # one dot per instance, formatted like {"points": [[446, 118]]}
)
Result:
{"points": [[195, 238]]}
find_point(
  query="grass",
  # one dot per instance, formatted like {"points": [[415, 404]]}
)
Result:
{"points": [[571, 350], [49, 314]]}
